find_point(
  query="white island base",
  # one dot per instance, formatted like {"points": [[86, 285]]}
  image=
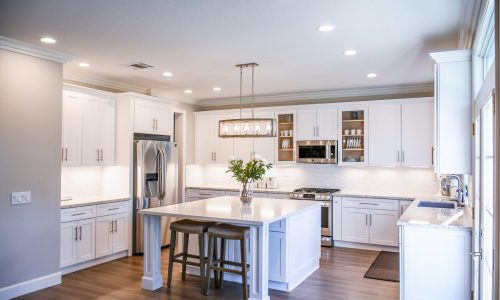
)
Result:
{"points": [[294, 252]]}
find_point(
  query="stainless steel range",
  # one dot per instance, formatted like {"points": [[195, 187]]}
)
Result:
{"points": [[326, 198]]}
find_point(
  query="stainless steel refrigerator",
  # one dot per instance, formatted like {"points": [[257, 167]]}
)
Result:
{"points": [[155, 182]]}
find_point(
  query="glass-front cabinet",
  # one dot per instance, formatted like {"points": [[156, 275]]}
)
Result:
{"points": [[285, 137], [353, 127]]}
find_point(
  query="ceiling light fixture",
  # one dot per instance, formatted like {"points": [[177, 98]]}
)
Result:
{"points": [[84, 64], [350, 52], [47, 40], [325, 28], [217, 89], [167, 74], [246, 127], [371, 75], [188, 91]]}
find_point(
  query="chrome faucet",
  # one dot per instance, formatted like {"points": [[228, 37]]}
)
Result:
{"points": [[459, 196]]}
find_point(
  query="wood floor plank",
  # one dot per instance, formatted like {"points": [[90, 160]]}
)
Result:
{"points": [[340, 277]]}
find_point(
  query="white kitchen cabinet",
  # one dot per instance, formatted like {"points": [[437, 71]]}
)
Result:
{"points": [[204, 139], [385, 134], [453, 105], [223, 147], [317, 124], [277, 256], [111, 234], [417, 134], [77, 241], [353, 149], [383, 228], [265, 146], [71, 154], [355, 225], [153, 117], [98, 133], [243, 147], [337, 218]]}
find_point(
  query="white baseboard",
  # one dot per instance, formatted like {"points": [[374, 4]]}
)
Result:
{"points": [[29, 286], [365, 246], [94, 262]]}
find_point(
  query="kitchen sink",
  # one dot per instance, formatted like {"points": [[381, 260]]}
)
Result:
{"points": [[435, 204]]}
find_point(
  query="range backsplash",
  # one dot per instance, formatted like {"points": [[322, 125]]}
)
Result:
{"points": [[406, 181]]}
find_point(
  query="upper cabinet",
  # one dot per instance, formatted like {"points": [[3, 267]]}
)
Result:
{"points": [[353, 127], [153, 117], [88, 129], [317, 124], [453, 104], [209, 147], [246, 148], [401, 134]]}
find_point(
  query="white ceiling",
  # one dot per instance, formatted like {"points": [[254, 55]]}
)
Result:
{"points": [[201, 41]]}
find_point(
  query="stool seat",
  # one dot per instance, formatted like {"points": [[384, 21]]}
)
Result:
{"points": [[191, 226], [228, 231]]}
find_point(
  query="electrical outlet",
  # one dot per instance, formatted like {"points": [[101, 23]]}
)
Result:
{"points": [[21, 198]]}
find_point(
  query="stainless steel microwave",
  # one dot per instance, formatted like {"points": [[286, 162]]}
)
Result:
{"points": [[317, 152]]}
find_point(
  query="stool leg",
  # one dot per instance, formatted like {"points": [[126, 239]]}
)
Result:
{"points": [[210, 255], [243, 268], [222, 258], [201, 244], [216, 273], [184, 256], [171, 256]]}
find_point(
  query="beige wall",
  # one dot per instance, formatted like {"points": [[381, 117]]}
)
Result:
{"points": [[30, 143]]}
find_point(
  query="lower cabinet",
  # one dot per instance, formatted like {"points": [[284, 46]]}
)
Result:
{"points": [[111, 235], [355, 225], [77, 241]]}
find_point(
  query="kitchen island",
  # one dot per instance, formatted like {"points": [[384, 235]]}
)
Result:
{"points": [[297, 222]]}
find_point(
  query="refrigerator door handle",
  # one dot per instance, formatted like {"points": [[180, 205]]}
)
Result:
{"points": [[161, 173]]}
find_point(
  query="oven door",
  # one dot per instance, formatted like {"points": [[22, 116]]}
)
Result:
{"points": [[313, 152], [326, 219]]}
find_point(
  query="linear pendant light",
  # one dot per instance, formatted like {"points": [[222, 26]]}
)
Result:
{"points": [[246, 127]]}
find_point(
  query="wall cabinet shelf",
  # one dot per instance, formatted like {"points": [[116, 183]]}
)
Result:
{"points": [[353, 130]]}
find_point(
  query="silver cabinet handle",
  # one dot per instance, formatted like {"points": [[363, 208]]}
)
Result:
{"points": [[112, 229], [78, 214], [66, 150], [80, 233], [62, 154], [432, 155], [116, 225], [114, 208], [317, 131], [102, 155], [398, 155], [97, 155], [366, 219], [366, 203], [156, 124], [370, 219], [402, 156], [76, 234], [215, 156]]}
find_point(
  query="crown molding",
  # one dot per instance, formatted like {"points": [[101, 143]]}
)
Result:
{"points": [[471, 10], [36, 51], [451, 56], [329, 94], [106, 83]]}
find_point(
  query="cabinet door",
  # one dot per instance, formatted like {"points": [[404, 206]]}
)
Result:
{"points": [[120, 235], [277, 256], [86, 240], [204, 138], [355, 225], [164, 120], [306, 124], [107, 132], [90, 131], [383, 227], [417, 134], [326, 122], [243, 147], [72, 129], [264, 146], [104, 236], [385, 132], [223, 147], [68, 244], [143, 117]]}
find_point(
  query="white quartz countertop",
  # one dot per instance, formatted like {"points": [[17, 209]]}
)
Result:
{"points": [[458, 218], [235, 189], [82, 201], [229, 209]]}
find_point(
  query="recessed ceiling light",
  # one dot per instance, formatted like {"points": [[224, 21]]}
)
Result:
{"points": [[217, 89], [47, 40], [350, 52], [167, 74], [188, 91], [84, 64], [325, 28], [371, 75]]}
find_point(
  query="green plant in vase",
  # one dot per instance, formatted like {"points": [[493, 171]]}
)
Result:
{"points": [[247, 173]]}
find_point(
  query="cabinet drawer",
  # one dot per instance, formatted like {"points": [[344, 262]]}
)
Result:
{"points": [[204, 194], [259, 195], [278, 226], [278, 195], [78, 213], [370, 203], [111, 208]]}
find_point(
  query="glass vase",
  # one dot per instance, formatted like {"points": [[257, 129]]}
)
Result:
{"points": [[246, 193]]}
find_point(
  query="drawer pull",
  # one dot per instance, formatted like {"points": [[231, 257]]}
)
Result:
{"points": [[115, 208], [79, 214], [365, 203], [201, 194]]}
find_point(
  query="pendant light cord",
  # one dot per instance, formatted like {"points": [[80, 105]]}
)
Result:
{"points": [[253, 66], [241, 89]]}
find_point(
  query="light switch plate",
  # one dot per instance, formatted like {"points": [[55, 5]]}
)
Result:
{"points": [[21, 198]]}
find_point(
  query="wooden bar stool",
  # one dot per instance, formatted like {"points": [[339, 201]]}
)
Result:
{"points": [[226, 232], [187, 227]]}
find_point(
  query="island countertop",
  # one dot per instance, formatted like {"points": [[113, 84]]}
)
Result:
{"points": [[458, 218], [230, 209]]}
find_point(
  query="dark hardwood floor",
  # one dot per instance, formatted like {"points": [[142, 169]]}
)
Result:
{"points": [[340, 277]]}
